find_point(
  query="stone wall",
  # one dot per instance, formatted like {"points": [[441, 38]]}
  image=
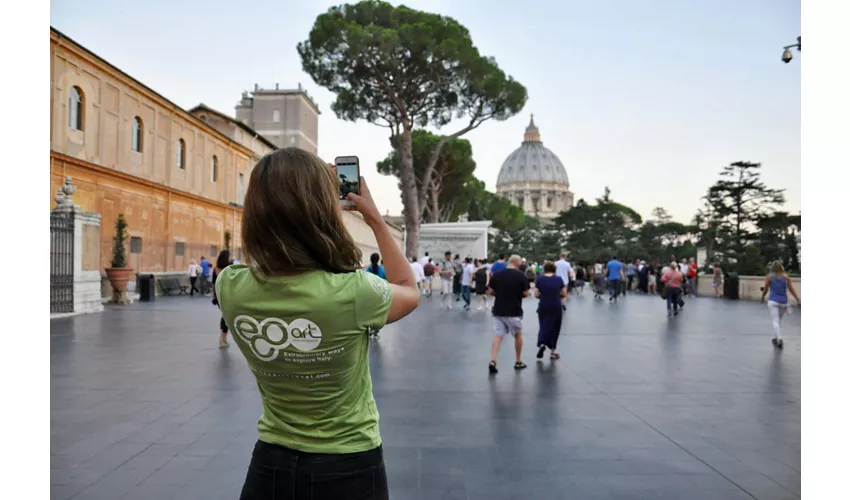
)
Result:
{"points": [[87, 262], [749, 287]]}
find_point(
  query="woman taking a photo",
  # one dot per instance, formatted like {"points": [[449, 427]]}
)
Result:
{"points": [[778, 284], [299, 311], [550, 289]]}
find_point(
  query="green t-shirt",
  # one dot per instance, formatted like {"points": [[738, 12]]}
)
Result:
{"points": [[306, 343]]}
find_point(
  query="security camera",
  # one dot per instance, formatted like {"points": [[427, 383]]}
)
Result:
{"points": [[787, 56]]}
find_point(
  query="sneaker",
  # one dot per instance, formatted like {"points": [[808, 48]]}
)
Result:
{"points": [[493, 368], [541, 351]]}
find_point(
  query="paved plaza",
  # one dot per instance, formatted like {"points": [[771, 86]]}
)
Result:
{"points": [[144, 405]]}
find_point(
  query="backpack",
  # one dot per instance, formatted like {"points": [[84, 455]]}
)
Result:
{"points": [[529, 273], [429, 269]]}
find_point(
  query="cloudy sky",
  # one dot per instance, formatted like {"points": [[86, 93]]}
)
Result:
{"points": [[649, 98]]}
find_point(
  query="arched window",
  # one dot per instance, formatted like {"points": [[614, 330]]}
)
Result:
{"points": [[137, 134], [214, 169], [181, 154], [75, 108]]}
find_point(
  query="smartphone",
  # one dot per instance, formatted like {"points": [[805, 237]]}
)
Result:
{"points": [[348, 174]]}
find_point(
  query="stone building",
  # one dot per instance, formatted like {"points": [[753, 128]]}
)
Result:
{"points": [[532, 177], [178, 177], [286, 117]]}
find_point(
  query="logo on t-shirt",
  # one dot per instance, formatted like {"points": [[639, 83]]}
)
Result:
{"points": [[380, 286], [272, 335]]}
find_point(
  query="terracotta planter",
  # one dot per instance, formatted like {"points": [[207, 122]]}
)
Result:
{"points": [[118, 278]]}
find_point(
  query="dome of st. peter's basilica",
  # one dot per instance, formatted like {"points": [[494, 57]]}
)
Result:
{"points": [[533, 178]]}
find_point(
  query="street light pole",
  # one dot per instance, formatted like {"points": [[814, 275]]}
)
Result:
{"points": [[787, 55]]}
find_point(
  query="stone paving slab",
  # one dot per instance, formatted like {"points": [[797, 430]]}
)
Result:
{"points": [[145, 405]]}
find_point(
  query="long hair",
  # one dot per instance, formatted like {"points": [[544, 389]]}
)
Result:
{"points": [[292, 220], [776, 268], [375, 258], [223, 259]]}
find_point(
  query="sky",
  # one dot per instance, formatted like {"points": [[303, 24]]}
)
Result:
{"points": [[648, 98]]}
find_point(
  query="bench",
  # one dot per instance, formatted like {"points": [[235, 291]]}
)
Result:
{"points": [[169, 285]]}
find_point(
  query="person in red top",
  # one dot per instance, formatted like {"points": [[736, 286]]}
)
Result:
{"points": [[672, 280], [692, 277]]}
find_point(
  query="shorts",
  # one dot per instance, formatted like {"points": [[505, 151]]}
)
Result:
{"points": [[428, 280], [580, 283], [716, 284], [503, 325]]}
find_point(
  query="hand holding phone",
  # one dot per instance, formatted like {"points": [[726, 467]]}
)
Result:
{"points": [[348, 175]]}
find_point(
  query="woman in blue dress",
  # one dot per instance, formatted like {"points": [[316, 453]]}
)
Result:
{"points": [[549, 288], [779, 285]]}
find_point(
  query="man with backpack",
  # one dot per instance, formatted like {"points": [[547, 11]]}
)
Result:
{"points": [[428, 270]]}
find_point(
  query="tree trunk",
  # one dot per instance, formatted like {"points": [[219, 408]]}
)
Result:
{"points": [[435, 203], [409, 192]]}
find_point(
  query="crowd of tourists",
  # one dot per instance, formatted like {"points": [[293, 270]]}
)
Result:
{"points": [[301, 312]]}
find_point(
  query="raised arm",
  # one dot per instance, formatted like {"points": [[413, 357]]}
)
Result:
{"points": [[399, 272]]}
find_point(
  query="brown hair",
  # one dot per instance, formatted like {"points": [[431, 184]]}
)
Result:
{"points": [[549, 266], [292, 220]]}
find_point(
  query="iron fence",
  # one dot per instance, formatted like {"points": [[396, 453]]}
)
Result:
{"points": [[61, 262]]}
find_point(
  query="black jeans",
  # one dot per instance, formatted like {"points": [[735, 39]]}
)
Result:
{"points": [[279, 473]]}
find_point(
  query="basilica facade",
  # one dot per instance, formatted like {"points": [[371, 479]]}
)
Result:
{"points": [[533, 178]]}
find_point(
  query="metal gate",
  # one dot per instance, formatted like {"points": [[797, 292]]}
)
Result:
{"points": [[61, 262]]}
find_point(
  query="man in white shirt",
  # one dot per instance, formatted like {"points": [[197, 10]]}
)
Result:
{"points": [[418, 272], [466, 282], [447, 269], [424, 260], [562, 269]]}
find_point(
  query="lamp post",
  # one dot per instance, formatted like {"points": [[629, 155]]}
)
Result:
{"points": [[787, 55]]}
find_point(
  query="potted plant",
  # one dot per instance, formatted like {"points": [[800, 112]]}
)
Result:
{"points": [[119, 274]]}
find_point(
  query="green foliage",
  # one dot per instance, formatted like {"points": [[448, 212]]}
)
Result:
{"points": [[119, 256], [389, 64], [604, 229], [399, 68], [777, 239], [734, 207], [452, 185], [737, 225], [227, 238], [485, 205]]}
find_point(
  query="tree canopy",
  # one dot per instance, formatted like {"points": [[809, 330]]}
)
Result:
{"points": [[401, 68], [452, 185]]}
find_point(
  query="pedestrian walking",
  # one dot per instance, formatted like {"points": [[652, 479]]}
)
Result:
{"points": [[614, 273], [447, 269], [672, 280], [193, 272], [549, 288], [778, 285], [509, 286]]}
